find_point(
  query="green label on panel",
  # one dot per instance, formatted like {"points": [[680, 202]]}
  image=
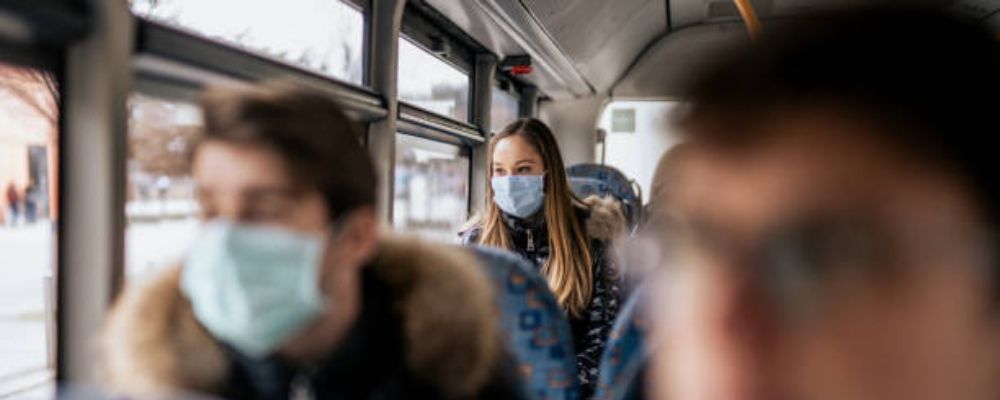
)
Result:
{"points": [[623, 120]]}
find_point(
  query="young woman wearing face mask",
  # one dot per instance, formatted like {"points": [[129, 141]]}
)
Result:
{"points": [[532, 211], [288, 292]]}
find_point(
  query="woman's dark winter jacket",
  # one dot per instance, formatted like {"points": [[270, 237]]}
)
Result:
{"points": [[427, 330], [604, 222]]}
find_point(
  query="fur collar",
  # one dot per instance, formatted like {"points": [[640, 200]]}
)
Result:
{"points": [[606, 221], [153, 343]]}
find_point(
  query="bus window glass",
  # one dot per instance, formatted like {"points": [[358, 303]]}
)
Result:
{"points": [[635, 137], [432, 188], [161, 208], [432, 83], [504, 109], [326, 36], [29, 129]]}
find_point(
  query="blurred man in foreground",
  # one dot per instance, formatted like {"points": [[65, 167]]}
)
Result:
{"points": [[288, 292], [836, 234]]}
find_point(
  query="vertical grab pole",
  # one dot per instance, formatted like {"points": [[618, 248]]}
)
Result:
{"points": [[486, 65], [529, 102], [98, 77], [749, 17], [386, 22]]}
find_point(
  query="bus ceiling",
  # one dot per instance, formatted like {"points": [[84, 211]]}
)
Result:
{"points": [[630, 48]]}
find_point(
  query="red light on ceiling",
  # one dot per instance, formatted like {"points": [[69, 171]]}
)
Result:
{"points": [[520, 70]]}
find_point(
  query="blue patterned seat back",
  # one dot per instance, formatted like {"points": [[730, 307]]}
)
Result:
{"points": [[535, 327], [626, 352], [633, 383], [613, 182], [584, 187]]}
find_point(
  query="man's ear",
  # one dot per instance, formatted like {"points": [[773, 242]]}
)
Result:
{"points": [[358, 237]]}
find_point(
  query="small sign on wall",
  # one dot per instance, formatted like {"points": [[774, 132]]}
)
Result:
{"points": [[623, 120]]}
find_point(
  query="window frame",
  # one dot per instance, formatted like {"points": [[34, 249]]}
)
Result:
{"points": [[47, 30], [417, 110], [431, 126], [417, 121], [179, 57], [422, 26], [362, 6], [421, 29], [465, 150]]}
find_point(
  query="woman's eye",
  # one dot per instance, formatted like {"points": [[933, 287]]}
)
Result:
{"points": [[523, 170], [498, 172]]}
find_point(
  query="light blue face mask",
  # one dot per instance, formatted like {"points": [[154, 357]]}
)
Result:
{"points": [[519, 195], [253, 288]]}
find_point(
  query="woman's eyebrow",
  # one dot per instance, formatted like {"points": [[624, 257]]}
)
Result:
{"points": [[518, 162]]}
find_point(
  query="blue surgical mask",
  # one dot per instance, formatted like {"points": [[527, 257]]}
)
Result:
{"points": [[519, 195], [253, 288]]}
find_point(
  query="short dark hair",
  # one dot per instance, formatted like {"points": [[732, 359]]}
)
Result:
{"points": [[320, 145], [931, 78]]}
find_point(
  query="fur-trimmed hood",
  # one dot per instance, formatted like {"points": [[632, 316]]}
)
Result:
{"points": [[606, 221], [153, 344]]}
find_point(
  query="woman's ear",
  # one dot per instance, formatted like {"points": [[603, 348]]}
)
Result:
{"points": [[357, 238]]}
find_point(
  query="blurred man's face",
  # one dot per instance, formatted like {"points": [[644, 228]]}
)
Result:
{"points": [[252, 185], [823, 264]]}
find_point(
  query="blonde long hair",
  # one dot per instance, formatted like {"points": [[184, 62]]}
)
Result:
{"points": [[568, 269]]}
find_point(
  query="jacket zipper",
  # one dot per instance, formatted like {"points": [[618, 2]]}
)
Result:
{"points": [[302, 388], [531, 241]]}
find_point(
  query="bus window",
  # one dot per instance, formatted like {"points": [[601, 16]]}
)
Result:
{"points": [[29, 129], [504, 109], [636, 137], [432, 188], [321, 35], [161, 208], [431, 83]]}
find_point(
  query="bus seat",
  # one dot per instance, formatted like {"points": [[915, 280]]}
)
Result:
{"points": [[632, 382], [532, 322], [615, 183], [584, 187], [626, 351]]}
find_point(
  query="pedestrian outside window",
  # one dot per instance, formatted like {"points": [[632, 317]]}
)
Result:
{"points": [[29, 152]]}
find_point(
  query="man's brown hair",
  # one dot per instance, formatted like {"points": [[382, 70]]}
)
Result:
{"points": [[320, 145]]}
